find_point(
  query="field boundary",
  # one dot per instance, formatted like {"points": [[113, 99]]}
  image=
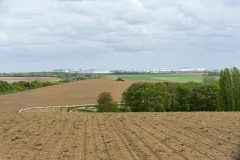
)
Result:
{"points": [[82, 105]]}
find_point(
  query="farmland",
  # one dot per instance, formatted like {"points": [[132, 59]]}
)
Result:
{"points": [[196, 77], [74, 93], [26, 79], [63, 135]]}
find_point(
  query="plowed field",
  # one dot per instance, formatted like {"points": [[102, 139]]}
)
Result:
{"points": [[117, 136], [26, 79], [75, 93]]}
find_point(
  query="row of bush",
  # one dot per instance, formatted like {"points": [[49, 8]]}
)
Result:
{"points": [[65, 77], [168, 96], [22, 85]]}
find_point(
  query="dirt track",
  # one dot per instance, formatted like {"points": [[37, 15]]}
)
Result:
{"points": [[118, 136], [75, 93], [26, 79]]}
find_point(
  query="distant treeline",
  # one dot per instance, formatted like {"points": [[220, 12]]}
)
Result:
{"points": [[38, 74], [209, 73], [222, 95], [6, 87], [127, 72], [65, 77], [213, 73]]}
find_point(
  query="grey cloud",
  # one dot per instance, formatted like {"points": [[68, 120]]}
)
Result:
{"points": [[232, 3], [88, 30]]}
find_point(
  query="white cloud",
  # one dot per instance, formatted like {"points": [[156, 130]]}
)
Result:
{"points": [[139, 4], [153, 32], [3, 37]]}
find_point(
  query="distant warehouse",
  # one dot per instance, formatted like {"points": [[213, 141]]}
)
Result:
{"points": [[189, 70], [161, 70], [61, 70], [95, 71]]}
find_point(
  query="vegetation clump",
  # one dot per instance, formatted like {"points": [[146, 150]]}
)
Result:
{"points": [[6, 87], [106, 103]]}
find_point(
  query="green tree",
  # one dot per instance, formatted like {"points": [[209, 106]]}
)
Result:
{"points": [[207, 97], [172, 89], [131, 97], [106, 103], [194, 91], [236, 88], [36, 84], [147, 97], [207, 79], [184, 97], [225, 98]]}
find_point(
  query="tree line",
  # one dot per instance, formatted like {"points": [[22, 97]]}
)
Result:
{"points": [[65, 77], [6, 87], [169, 96]]}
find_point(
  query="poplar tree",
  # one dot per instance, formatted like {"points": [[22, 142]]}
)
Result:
{"points": [[236, 88], [225, 99]]}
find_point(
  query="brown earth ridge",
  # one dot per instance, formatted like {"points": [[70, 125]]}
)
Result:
{"points": [[75, 93]]}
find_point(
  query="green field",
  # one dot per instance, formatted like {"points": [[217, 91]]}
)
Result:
{"points": [[159, 77]]}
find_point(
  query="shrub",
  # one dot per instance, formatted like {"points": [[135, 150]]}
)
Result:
{"points": [[3, 89], [106, 103], [47, 84], [36, 84], [128, 109], [23, 84], [7, 88], [19, 88]]}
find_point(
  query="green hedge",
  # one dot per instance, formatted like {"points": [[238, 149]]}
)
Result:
{"points": [[6, 87]]}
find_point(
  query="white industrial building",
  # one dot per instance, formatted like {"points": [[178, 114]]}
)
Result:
{"points": [[190, 70], [155, 70], [161, 70], [61, 70], [96, 71], [165, 70]]}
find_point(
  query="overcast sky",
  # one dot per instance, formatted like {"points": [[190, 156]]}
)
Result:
{"points": [[43, 35]]}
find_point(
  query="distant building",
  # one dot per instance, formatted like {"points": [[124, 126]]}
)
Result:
{"points": [[61, 70], [165, 70], [161, 70], [75, 71], [120, 71], [190, 70], [97, 71], [155, 70], [214, 70]]}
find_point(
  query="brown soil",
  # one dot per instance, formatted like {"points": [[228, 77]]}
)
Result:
{"points": [[75, 93], [26, 79], [163, 136], [188, 74]]}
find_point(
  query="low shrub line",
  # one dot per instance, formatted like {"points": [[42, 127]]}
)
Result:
{"points": [[8, 88]]}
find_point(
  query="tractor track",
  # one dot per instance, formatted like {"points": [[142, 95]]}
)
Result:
{"points": [[103, 139], [145, 143], [210, 137], [116, 132], [31, 141]]}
